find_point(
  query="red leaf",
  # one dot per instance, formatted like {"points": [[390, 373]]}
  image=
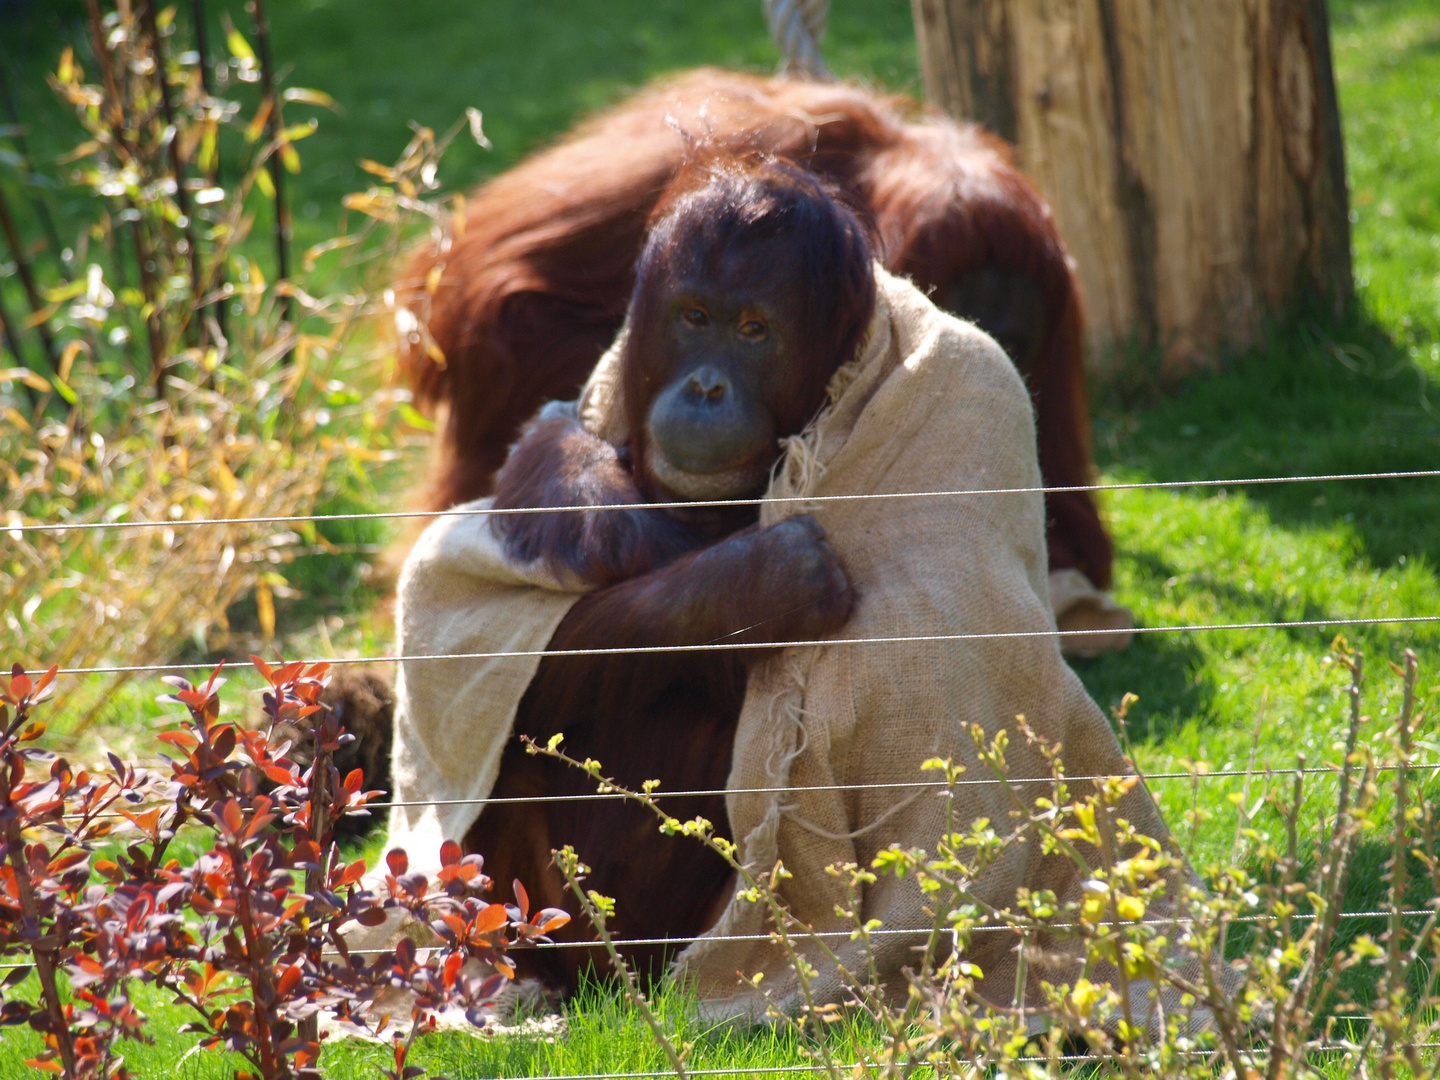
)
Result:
{"points": [[46, 680], [397, 861], [20, 684], [211, 685], [305, 851], [522, 898], [262, 667], [450, 853], [64, 862], [289, 980], [353, 779], [279, 775], [182, 739], [490, 919], [453, 963], [353, 873], [288, 673]]}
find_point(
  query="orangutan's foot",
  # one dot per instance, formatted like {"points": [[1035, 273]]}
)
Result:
{"points": [[1079, 605]]}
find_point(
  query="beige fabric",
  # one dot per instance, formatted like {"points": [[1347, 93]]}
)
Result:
{"points": [[931, 403], [459, 594], [934, 405]]}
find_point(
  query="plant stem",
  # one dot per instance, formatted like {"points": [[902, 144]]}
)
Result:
{"points": [[27, 279], [212, 178], [309, 1028], [121, 140], [22, 144], [96, 23], [193, 324], [627, 980], [257, 961], [152, 318], [1397, 960], [7, 326], [273, 130], [44, 955]]}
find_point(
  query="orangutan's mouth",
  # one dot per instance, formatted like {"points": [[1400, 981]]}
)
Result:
{"points": [[736, 482]]}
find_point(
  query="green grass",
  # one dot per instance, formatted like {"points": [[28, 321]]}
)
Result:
{"points": [[531, 67], [601, 1034], [1319, 396]]}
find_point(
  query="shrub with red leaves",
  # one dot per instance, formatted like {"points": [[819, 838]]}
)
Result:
{"points": [[249, 936]]}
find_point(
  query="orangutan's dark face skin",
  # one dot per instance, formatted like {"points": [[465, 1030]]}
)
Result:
{"points": [[730, 374]]}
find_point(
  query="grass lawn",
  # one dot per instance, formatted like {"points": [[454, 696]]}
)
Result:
{"points": [[1320, 396]]}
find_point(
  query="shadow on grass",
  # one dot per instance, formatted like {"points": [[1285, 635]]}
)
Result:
{"points": [[1314, 398], [1166, 666]]}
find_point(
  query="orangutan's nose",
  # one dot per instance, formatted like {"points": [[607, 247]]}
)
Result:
{"points": [[708, 384]]}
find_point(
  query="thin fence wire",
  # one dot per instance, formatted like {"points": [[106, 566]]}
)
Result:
{"points": [[882, 932], [846, 935], [15, 526], [938, 785], [860, 1068], [724, 646]]}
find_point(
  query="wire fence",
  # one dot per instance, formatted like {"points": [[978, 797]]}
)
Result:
{"points": [[721, 646], [17, 528], [894, 932], [17, 525], [938, 787]]}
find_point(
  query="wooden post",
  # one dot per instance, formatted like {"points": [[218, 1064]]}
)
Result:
{"points": [[1190, 149]]}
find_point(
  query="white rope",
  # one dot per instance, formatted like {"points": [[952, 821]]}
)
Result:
{"points": [[16, 525], [797, 28], [133, 669]]}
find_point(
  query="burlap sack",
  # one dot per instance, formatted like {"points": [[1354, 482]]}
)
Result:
{"points": [[931, 403]]}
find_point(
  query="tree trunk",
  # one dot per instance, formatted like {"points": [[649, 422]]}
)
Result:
{"points": [[1190, 150]]}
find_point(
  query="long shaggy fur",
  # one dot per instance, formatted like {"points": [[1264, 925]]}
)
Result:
{"points": [[525, 299]]}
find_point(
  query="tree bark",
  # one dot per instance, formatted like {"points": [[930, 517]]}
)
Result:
{"points": [[1190, 150]]}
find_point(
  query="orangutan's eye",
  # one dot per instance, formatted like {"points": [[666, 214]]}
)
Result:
{"points": [[752, 330], [696, 317]]}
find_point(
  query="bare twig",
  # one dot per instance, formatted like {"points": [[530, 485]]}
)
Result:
{"points": [[27, 280], [22, 143], [194, 324], [274, 131], [212, 177]]}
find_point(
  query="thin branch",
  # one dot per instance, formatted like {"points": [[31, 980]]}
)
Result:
{"points": [[194, 324], [212, 177], [22, 144], [27, 280], [274, 130]]}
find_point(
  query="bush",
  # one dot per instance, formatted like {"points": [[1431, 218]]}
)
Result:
{"points": [[181, 366], [250, 936]]}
